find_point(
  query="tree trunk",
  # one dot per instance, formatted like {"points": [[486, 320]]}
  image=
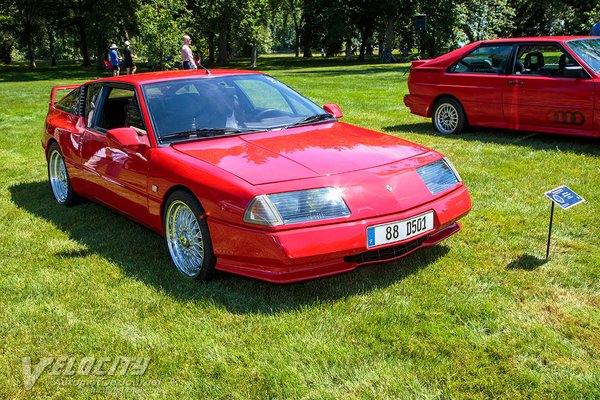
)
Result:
{"points": [[363, 46], [348, 49], [83, 41], [389, 34], [211, 48], [51, 44], [31, 51], [254, 55], [223, 32], [296, 29]]}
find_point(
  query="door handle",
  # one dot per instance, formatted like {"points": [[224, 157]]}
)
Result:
{"points": [[514, 82]]}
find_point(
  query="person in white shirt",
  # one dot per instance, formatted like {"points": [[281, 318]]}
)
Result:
{"points": [[187, 58]]}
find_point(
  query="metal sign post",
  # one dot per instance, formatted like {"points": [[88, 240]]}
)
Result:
{"points": [[565, 198]]}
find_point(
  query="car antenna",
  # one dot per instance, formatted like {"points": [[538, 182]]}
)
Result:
{"points": [[206, 69]]}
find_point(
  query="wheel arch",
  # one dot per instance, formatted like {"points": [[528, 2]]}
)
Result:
{"points": [[50, 142], [447, 96], [168, 193]]}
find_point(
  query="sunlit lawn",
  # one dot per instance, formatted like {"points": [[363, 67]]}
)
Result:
{"points": [[479, 316]]}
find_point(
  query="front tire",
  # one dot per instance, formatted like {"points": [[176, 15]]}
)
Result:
{"points": [[187, 236], [449, 116], [60, 183]]}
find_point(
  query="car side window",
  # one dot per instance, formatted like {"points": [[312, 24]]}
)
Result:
{"points": [[542, 60], [70, 103], [119, 109], [92, 93], [484, 60]]}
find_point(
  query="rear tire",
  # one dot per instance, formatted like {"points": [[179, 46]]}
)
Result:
{"points": [[187, 236], [58, 176], [448, 116]]}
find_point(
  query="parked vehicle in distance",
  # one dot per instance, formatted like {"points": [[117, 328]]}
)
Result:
{"points": [[540, 84], [242, 174]]}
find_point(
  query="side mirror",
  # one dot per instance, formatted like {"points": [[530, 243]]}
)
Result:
{"points": [[127, 137], [573, 71], [333, 109]]}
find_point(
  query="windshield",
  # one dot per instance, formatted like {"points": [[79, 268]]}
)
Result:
{"points": [[223, 105], [588, 50]]}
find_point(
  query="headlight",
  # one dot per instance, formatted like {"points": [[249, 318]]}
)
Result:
{"points": [[295, 207], [439, 176]]}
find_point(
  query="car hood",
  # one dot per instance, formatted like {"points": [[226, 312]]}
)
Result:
{"points": [[301, 152]]}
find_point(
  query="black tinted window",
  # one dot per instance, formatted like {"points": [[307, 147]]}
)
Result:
{"points": [[484, 60]]}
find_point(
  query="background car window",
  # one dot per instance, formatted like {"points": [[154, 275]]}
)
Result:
{"points": [[484, 60], [120, 109], [70, 103], [263, 95], [542, 60]]}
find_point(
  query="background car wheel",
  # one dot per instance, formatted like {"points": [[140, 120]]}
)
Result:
{"points": [[58, 176], [448, 116], [187, 236]]}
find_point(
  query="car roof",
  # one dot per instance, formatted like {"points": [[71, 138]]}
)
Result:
{"points": [[536, 39], [151, 77]]}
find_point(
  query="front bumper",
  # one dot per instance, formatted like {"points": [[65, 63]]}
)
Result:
{"points": [[311, 252]]}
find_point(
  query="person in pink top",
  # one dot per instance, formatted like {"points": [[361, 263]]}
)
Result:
{"points": [[187, 58]]}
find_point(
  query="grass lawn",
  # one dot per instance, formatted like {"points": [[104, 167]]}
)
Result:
{"points": [[479, 316]]}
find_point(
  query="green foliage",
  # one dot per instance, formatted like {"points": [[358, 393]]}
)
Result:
{"points": [[484, 19], [162, 25]]}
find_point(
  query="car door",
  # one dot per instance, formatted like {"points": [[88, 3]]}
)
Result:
{"points": [[540, 92], [477, 79], [116, 176]]}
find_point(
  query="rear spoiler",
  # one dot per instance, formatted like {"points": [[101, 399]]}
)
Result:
{"points": [[416, 63], [55, 89]]}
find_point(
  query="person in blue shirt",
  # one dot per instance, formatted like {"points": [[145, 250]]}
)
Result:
{"points": [[595, 31], [114, 59]]}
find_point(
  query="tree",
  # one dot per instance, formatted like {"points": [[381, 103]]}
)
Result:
{"points": [[162, 23], [27, 19], [485, 19]]}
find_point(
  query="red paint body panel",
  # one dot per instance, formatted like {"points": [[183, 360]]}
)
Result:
{"points": [[375, 173], [509, 101]]}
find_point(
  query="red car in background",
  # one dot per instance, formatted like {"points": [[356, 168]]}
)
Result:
{"points": [[242, 174], [540, 84]]}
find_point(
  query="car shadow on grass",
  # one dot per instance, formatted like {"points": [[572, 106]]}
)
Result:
{"points": [[143, 255], [536, 141]]}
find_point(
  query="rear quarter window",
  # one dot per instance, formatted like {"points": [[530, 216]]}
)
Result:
{"points": [[70, 103]]}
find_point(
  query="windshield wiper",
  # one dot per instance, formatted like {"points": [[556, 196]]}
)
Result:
{"points": [[206, 132], [311, 119]]}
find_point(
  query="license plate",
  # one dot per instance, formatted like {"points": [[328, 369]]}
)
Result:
{"points": [[399, 230]]}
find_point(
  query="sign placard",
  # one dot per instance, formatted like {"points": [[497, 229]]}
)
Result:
{"points": [[564, 197]]}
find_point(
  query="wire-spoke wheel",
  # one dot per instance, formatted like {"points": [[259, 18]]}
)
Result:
{"points": [[186, 232], [59, 177], [448, 116]]}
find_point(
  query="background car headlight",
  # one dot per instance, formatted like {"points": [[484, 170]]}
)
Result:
{"points": [[295, 207], [439, 175]]}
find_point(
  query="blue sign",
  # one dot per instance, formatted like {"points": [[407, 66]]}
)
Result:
{"points": [[564, 197]]}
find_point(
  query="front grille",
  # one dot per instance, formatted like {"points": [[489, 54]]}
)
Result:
{"points": [[387, 253]]}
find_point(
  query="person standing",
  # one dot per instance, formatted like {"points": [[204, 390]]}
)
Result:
{"points": [[187, 58], [130, 66], [114, 59]]}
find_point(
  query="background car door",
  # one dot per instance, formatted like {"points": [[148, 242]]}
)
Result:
{"points": [[540, 94], [116, 176], [477, 79]]}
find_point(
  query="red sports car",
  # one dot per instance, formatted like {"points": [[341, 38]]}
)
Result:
{"points": [[242, 174], [540, 84]]}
